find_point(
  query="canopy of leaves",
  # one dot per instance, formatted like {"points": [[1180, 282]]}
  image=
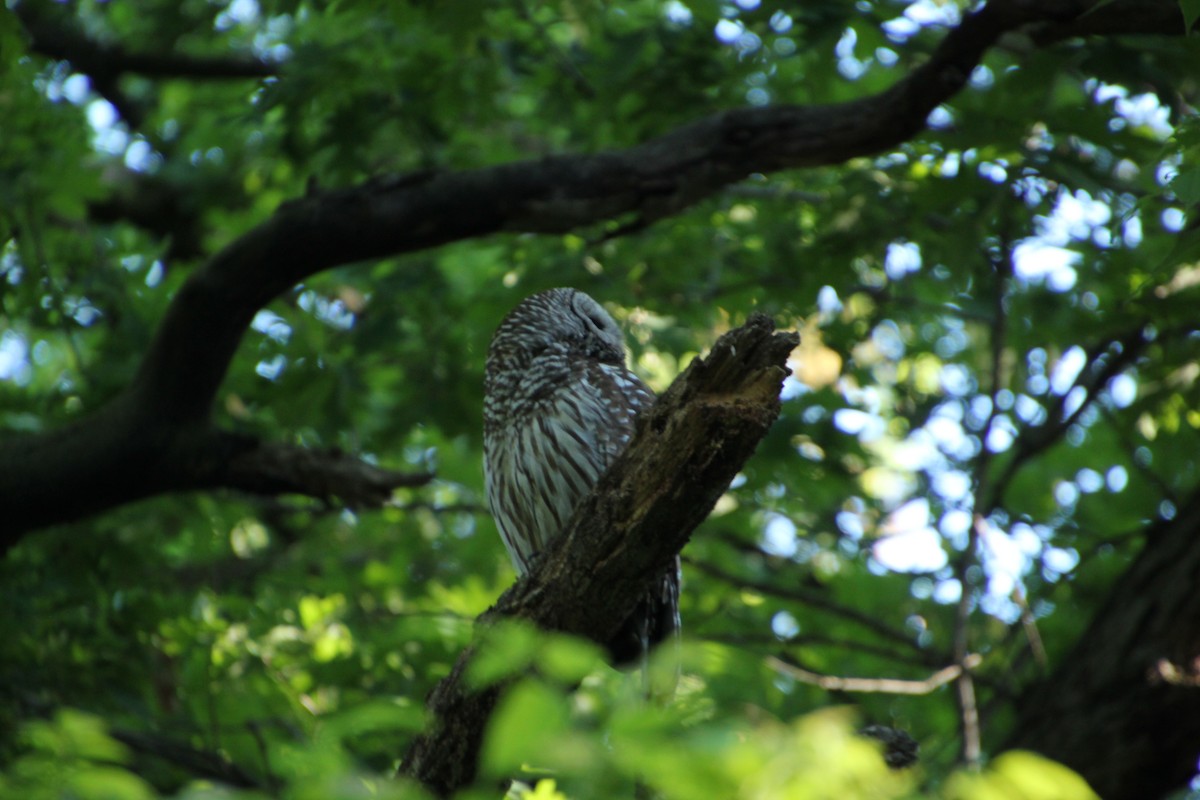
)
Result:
{"points": [[995, 397]]}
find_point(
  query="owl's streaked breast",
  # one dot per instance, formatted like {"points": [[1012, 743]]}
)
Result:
{"points": [[548, 448]]}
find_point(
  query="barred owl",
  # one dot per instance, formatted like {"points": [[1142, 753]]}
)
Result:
{"points": [[559, 406]]}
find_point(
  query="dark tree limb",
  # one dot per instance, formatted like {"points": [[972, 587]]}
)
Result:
{"points": [[53, 33], [1123, 17], [60, 38], [135, 446], [686, 451], [1111, 709], [154, 204], [276, 468], [126, 452]]}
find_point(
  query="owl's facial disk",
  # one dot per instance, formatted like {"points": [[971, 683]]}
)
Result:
{"points": [[596, 334], [558, 324]]}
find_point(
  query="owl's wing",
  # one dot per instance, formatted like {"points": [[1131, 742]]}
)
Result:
{"points": [[621, 396]]}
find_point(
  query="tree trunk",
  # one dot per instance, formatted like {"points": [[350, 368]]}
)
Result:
{"points": [[1123, 708]]}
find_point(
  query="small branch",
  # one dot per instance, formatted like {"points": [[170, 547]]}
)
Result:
{"points": [[767, 640], [834, 683], [756, 192], [156, 205], [1029, 625], [55, 34], [811, 599], [968, 708], [126, 451], [1168, 672], [277, 468], [1102, 366], [61, 39], [198, 763]]}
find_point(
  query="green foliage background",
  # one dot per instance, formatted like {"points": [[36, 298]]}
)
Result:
{"points": [[297, 641]]}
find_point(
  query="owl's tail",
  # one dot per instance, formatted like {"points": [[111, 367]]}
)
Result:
{"points": [[655, 620]]}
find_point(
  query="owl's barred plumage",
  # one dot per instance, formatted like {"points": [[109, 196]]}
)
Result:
{"points": [[559, 406]]}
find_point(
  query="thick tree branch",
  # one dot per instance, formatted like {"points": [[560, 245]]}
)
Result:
{"points": [[660, 177], [1123, 17], [688, 448], [178, 379], [1108, 705], [126, 452]]}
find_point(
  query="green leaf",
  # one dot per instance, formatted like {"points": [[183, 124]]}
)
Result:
{"points": [[1020, 775], [527, 723], [568, 659], [1191, 12], [373, 717], [507, 649], [1186, 185]]}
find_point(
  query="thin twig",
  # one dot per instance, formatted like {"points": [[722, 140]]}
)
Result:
{"points": [[968, 708], [1092, 380], [817, 640], [569, 67], [213, 765], [836, 683], [758, 192], [811, 599], [1029, 625]]}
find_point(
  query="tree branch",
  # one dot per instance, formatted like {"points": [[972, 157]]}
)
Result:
{"points": [[835, 683], [1095, 711], [114, 455], [156, 205], [55, 35], [276, 468], [1123, 17], [688, 448], [198, 763], [818, 602], [126, 452]]}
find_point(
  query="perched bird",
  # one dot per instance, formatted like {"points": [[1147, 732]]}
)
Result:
{"points": [[559, 406]]}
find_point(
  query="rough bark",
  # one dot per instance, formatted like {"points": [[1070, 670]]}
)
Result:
{"points": [[1123, 707], [687, 449]]}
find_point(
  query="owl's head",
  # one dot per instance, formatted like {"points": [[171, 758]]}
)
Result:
{"points": [[557, 323]]}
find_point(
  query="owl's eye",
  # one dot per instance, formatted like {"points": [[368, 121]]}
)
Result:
{"points": [[588, 310]]}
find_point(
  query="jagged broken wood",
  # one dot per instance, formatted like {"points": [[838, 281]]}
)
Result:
{"points": [[688, 448]]}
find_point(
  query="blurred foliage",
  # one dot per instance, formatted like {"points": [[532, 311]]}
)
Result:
{"points": [[995, 394]]}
